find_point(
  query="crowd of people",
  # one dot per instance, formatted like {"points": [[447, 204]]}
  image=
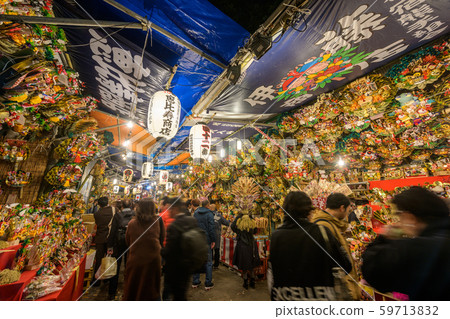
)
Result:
{"points": [[310, 258]]}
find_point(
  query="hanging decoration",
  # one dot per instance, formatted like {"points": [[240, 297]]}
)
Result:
{"points": [[200, 142], [64, 175], [13, 151], [163, 177], [80, 149], [147, 169], [164, 115], [18, 178], [128, 175]]}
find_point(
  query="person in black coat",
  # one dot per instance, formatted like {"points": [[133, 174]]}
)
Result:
{"points": [[103, 218], [219, 220], [116, 243], [301, 260], [418, 266], [176, 275], [246, 255]]}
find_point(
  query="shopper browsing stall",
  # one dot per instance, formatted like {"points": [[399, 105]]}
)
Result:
{"points": [[418, 262]]}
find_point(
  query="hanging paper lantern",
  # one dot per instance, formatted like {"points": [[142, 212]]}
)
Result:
{"points": [[147, 169], [127, 190], [128, 175], [169, 186], [164, 115], [116, 189], [163, 177], [199, 141], [139, 188]]}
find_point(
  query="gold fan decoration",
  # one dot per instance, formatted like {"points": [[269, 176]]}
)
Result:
{"points": [[245, 192]]}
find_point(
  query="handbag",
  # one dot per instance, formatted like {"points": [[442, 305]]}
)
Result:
{"points": [[107, 269], [340, 283]]}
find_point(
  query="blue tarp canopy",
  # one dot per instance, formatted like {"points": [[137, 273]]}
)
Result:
{"points": [[330, 44]]}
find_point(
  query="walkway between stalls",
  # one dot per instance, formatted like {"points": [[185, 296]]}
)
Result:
{"points": [[228, 286]]}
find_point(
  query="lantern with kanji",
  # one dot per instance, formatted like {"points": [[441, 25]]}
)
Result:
{"points": [[164, 115], [199, 141], [128, 175], [147, 169]]}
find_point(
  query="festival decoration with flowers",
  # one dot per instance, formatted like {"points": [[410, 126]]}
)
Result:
{"points": [[65, 175], [368, 96], [317, 72], [18, 178]]}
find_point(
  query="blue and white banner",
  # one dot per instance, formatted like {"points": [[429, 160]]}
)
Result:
{"points": [[337, 42]]}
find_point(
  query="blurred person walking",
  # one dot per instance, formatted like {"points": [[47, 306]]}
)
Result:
{"points": [[103, 220], [413, 257], [303, 255], [176, 269], [117, 244], [144, 236], [335, 218]]}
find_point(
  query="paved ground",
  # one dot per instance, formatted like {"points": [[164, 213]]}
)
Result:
{"points": [[228, 286]]}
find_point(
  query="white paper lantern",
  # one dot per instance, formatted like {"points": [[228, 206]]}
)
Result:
{"points": [[163, 117], [116, 189], [169, 186], [147, 169], [163, 177], [127, 190], [199, 141], [139, 189]]}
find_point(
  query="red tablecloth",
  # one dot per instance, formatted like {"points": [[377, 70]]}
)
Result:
{"points": [[73, 288], [7, 256], [389, 185], [229, 244], [13, 292]]}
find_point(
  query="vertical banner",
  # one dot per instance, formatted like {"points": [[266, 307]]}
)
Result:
{"points": [[112, 70]]}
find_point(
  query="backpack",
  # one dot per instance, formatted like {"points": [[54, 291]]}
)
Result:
{"points": [[194, 248], [123, 226]]}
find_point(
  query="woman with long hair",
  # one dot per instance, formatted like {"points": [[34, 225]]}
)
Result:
{"points": [[143, 270]]}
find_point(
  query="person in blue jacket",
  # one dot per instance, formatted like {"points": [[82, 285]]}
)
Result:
{"points": [[205, 219]]}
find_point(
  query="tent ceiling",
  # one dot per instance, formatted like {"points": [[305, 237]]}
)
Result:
{"points": [[324, 45]]}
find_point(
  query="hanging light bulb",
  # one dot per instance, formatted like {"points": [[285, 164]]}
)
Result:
{"points": [[239, 145], [114, 181], [222, 153], [341, 162], [126, 143], [130, 124], [210, 158]]}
